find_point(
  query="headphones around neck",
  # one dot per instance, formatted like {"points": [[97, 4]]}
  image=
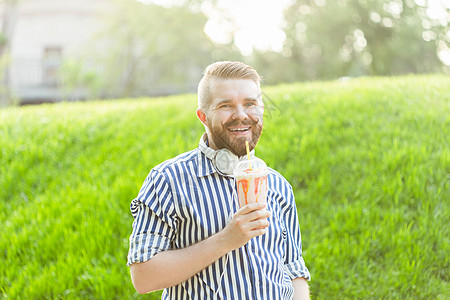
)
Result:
{"points": [[223, 159]]}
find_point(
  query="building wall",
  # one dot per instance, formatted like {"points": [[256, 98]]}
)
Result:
{"points": [[46, 32]]}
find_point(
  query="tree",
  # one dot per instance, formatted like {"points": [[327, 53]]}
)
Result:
{"points": [[152, 50], [328, 39]]}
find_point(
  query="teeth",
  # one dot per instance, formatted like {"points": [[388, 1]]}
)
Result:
{"points": [[239, 129]]}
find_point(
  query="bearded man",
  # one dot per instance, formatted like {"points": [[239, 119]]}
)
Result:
{"points": [[190, 237]]}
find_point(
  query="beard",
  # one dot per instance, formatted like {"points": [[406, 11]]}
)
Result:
{"points": [[222, 139]]}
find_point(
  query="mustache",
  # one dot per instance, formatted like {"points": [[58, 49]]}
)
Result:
{"points": [[237, 122]]}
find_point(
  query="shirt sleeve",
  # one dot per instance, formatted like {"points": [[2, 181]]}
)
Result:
{"points": [[155, 222], [294, 263]]}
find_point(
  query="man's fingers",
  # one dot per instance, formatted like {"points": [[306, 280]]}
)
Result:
{"points": [[246, 209], [259, 214], [260, 224], [257, 232], [253, 226]]}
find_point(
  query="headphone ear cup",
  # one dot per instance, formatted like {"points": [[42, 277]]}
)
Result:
{"points": [[210, 153], [225, 161]]}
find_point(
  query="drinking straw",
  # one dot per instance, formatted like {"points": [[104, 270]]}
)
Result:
{"points": [[248, 155]]}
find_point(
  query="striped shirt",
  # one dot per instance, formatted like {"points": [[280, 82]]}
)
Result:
{"points": [[185, 200]]}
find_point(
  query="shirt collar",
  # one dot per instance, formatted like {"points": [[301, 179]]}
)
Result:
{"points": [[205, 165]]}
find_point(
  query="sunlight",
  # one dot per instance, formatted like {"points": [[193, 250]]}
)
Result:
{"points": [[253, 25]]}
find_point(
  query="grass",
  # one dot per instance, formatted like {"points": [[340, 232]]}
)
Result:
{"points": [[368, 159]]}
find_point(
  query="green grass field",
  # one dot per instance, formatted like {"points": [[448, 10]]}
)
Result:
{"points": [[368, 159]]}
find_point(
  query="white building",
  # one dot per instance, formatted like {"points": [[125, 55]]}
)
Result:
{"points": [[45, 32]]}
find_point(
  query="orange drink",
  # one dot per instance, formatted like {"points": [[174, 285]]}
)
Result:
{"points": [[251, 182]]}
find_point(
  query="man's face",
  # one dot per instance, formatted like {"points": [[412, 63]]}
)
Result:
{"points": [[235, 115]]}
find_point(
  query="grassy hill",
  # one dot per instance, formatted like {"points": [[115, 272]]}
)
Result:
{"points": [[368, 160]]}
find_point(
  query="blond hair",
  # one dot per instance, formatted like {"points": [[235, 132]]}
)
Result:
{"points": [[223, 70]]}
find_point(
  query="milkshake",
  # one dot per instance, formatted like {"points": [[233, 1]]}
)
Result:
{"points": [[251, 181]]}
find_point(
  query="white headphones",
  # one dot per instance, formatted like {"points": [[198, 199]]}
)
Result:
{"points": [[223, 160]]}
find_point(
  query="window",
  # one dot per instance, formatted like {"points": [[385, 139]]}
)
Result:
{"points": [[52, 59]]}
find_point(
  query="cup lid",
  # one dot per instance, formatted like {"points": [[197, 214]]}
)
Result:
{"points": [[257, 165]]}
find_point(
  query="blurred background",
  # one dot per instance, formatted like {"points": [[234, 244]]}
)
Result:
{"points": [[53, 50]]}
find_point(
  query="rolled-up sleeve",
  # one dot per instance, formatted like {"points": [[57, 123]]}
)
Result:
{"points": [[154, 225], [294, 264]]}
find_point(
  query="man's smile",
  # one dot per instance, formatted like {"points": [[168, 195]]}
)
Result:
{"points": [[239, 128]]}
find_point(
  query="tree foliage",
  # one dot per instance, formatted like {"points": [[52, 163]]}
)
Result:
{"points": [[149, 49], [152, 50], [327, 39], [152, 47]]}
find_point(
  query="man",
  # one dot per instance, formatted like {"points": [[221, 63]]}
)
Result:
{"points": [[189, 235]]}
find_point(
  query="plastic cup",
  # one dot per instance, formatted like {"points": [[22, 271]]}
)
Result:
{"points": [[251, 184]]}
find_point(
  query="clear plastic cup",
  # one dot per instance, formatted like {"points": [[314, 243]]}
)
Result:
{"points": [[251, 184]]}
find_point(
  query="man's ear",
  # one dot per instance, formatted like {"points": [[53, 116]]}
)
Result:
{"points": [[202, 116]]}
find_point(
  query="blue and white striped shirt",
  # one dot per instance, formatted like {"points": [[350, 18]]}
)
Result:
{"points": [[185, 200]]}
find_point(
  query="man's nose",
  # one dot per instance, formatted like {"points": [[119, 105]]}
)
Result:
{"points": [[240, 113]]}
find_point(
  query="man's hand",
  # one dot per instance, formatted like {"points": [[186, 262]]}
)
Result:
{"points": [[247, 222]]}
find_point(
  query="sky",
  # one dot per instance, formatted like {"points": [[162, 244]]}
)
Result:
{"points": [[257, 24]]}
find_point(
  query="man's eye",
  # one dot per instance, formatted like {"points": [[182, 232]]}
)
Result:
{"points": [[225, 106], [250, 104]]}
